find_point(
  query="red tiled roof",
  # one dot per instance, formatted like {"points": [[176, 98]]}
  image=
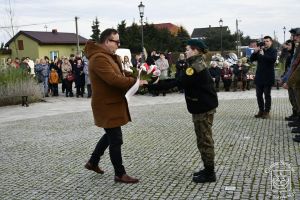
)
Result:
{"points": [[171, 27], [50, 37]]}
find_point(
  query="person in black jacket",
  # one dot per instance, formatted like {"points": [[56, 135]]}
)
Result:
{"points": [[265, 75], [79, 77], [180, 65], [202, 101], [215, 73], [240, 75], [152, 58], [289, 47]]}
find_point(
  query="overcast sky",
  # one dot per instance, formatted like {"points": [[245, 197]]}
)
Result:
{"points": [[256, 17]]}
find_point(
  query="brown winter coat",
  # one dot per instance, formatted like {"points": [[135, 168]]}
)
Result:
{"points": [[109, 86]]}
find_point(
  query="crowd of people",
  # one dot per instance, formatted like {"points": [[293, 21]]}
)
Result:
{"points": [[228, 70], [49, 73], [233, 72], [72, 72]]}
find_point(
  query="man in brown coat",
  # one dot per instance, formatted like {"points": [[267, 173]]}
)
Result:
{"points": [[109, 105]]}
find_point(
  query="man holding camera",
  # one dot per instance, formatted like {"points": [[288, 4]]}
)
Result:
{"points": [[266, 56]]}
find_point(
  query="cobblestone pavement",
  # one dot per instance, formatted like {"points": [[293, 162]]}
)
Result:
{"points": [[43, 155]]}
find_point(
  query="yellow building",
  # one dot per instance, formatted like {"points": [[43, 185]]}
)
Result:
{"points": [[37, 44]]}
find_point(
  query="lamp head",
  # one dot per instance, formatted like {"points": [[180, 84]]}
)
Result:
{"points": [[221, 22], [141, 9]]}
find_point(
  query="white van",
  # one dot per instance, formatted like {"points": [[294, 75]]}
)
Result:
{"points": [[124, 52]]}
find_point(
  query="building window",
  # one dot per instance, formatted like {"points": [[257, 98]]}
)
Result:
{"points": [[20, 45], [53, 54]]}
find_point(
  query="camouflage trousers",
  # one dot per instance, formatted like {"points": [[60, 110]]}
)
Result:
{"points": [[203, 123]]}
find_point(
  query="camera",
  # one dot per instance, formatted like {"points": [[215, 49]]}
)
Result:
{"points": [[260, 44]]}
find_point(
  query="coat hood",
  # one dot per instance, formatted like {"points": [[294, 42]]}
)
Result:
{"points": [[92, 48]]}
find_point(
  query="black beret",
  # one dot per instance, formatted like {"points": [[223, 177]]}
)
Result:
{"points": [[197, 43], [295, 31], [292, 31]]}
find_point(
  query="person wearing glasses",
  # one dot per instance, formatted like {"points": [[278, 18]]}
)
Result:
{"points": [[266, 56], [109, 105]]}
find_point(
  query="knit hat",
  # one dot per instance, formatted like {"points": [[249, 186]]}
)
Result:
{"points": [[198, 43], [213, 63], [217, 58]]}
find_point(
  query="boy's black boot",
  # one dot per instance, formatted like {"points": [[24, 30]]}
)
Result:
{"points": [[205, 176]]}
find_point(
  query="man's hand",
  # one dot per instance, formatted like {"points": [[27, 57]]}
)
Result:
{"points": [[257, 49], [285, 86], [143, 82], [261, 52]]}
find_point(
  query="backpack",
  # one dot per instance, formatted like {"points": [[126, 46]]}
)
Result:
{"points": [[53, 79]]}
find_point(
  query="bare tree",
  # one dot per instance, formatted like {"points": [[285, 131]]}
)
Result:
{"points": [[12, 28]]}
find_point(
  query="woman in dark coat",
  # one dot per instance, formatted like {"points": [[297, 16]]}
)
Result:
{"points": [[240, 75], [215, 73], [180, 65], [226, 76], [79, 78]]}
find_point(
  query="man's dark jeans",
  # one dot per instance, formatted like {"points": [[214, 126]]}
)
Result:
{"points": [[112, 139], [263, 105]]}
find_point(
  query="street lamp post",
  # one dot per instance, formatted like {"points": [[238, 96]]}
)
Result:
{"points": [[221, 25], [238, 37], [284, 29], [141, 10]]}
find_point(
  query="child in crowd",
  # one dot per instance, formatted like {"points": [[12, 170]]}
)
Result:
{"points": [[53, 80], [69, 81]]}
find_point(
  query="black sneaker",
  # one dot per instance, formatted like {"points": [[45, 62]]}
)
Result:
{"points": [[199, 173], [291, 118], [296, 139], [294, 123], [205, 177], [296, 130]]}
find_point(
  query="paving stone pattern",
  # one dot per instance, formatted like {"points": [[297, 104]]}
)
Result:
{"points": [[43, 158]]}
